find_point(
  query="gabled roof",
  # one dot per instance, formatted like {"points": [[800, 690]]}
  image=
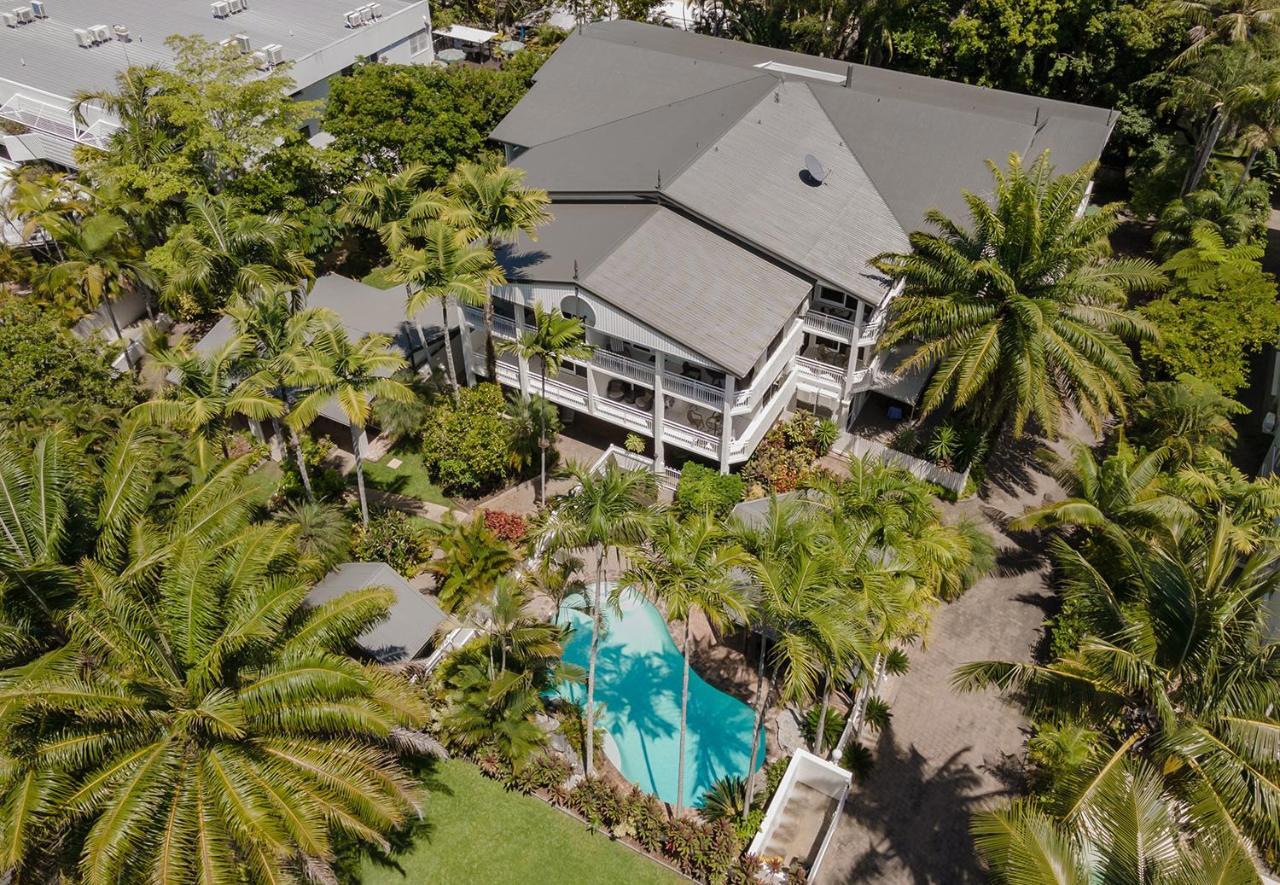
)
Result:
{"points": [[411, 622], [722, 128], [677, 276]]}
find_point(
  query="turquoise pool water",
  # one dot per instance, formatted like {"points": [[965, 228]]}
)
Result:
{"points": [[638, 702]]}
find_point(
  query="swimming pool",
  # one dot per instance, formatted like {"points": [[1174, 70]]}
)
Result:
{"points": [[638, 674]]}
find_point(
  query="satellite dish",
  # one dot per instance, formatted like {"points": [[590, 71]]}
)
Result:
{"points": [[816, 170]]}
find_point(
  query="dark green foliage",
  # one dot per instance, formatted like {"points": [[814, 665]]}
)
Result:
{"points": [[833, 726], [544, 771], [726, 799], [404, 419], [50, 374], [467, 447], [391, 116], [858, 760], [1237, 211], [703, 489], [1220, 308], [392, 538], [327, 481], [786, 456]]}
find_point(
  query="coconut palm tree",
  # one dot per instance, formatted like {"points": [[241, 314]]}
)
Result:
{"points": [[1131, 831], [201, 723], [1257, 104], [279, 356], [1235, 208], [223, 250], [605, 511], [692, 567], [1207, 93], [206, 395], [1225, 23], [553, 339], [491, 203], [351, 374], [516, 639], [472, 560], [394, 206], [1019, 312], [99, 262], [446, 269], [1175, 670]]}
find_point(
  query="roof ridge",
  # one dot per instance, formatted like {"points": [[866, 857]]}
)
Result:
{"points": [[584, 272], [727, 129], [848, 146], [660, 107]]}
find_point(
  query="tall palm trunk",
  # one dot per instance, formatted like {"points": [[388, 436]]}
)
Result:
{"points": [[1204, 150], [762, 693], [448, 351], [356, 433], [684, 722], [282, 393], [591, 664], [542, 435], [1244, 175], [822, 716]]}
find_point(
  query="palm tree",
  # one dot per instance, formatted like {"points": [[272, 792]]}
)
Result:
{"points": [[1225, 23], [322, 534], [692, 567], [144, 136], [490, 202], [553, 339], [98, 262], [605, 510], [494, 710], [1235, 208], [393, 206], [555, 576], [223, 250], [46, 204], [1257, 104], [1020, 313], [1208, 93], [1175, 670], [351, 374], [279, 356], [521, 641], [472, 560], [1188, 417], [446, 269], [206, 396], [1131, 831], [202, 724]]}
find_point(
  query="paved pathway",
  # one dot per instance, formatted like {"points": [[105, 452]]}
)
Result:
{"points": [[947, 754]]}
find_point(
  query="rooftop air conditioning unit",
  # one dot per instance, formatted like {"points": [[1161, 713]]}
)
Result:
{"points": [[101, 33], [24, 15], [353, 19], [242, 42], [84, 38], [221, 9], [366, 14], [260, 59], [376, 9], [37, 8], [122, 33], [236, 6], [275, 53], [228, 43], [10, 20]]}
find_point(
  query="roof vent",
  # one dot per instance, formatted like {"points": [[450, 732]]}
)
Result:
{"points": [[814, 172], [122, 33]]}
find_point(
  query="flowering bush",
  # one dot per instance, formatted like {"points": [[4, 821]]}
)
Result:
{"points": [[788, 453], [510, 527]]}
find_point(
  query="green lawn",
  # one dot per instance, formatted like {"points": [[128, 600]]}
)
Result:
{"points": [[378, 278], [476, 831], [265, 481], [409, 479]]}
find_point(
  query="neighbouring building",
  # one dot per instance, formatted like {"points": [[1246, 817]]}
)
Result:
{"points": [[415, 623], [52, 49], [715, 206]]}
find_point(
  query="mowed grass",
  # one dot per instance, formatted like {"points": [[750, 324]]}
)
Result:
{"points": [[476, 831], [409, 479]]}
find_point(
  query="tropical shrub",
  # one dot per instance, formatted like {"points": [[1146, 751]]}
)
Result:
{"points": [[647, 819], [704, 489], [634, 443], [786, 456], [467, 447], [545, 771], [327, 481], [472, 561], [858, 760], [392, 538], [511, 528], [832, 727], [598, 802], [704, 851]]}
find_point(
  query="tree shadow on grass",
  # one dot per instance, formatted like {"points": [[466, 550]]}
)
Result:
{"points": [[351, 855], [914, 815]]}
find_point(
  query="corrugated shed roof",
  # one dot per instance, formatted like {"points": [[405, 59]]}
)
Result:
{"points": [[413, 618], [751, 180], [701, 289]]}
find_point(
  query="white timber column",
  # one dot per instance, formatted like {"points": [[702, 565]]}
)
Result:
{"points": [[522, 361], [659, 410], [464, 339], [591, 389], [726, 427]]}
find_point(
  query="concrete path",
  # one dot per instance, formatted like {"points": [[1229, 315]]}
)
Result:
{"points": [[945, 754]]}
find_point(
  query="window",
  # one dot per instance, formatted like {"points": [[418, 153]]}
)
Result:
{"points": [[419, 42]]}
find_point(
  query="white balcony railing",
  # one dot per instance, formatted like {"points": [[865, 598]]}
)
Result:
{"points": [[57, 121], [688, 438], [825, 323], [623, 366], [678, 385], [502, 327], [821, 370], [627, 416]]}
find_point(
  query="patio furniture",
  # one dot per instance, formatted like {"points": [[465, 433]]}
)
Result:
{"points": [[644, 399], [615, 391], [511, 47], [668, 400], [714, 423], [451, 56], [628, 394]]}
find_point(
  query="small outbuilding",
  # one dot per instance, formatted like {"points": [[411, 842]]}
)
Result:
{"points": [[410, 629]]}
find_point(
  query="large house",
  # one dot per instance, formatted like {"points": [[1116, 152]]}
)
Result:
{"points": [[52, 49], [715, 206]]}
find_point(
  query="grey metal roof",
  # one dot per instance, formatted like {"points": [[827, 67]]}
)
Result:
{"points": [[413, 618], [680, 277], [631, 108], [45, 55]]}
